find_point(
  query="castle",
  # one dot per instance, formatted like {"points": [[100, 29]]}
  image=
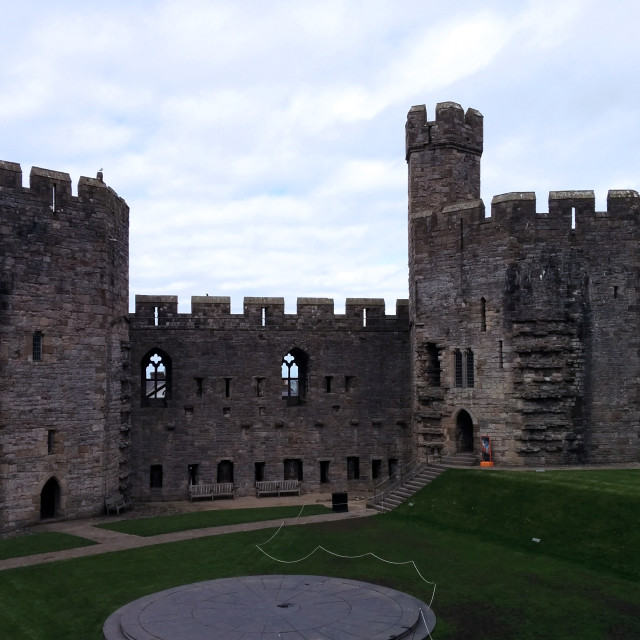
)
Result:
{"points": [[520, 326]]}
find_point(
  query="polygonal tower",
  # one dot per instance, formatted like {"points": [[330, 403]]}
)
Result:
{"points": [[64, 376]]}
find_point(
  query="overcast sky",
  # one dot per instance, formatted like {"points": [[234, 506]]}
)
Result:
{"points": [[260, 144]]}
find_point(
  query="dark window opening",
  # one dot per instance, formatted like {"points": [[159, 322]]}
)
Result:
{"points": [[433, 364], [155, 476], [353, 468], [393, 467], [349, 383], [259, 387], [51, 441], [324, 471], [457, 362], [227, 387], [226, 412], [470, 369], [483, 314], [328, 380], [615, 292], [258, 471], [36, 351], [50, 499], [500, 355], [192, 470], [199, 387], [294, 376], [156, 378], [376, 469], [225, 471], [293, 469]]}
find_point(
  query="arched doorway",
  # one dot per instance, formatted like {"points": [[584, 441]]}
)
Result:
{"points": [[464, 432], [50, 499]]}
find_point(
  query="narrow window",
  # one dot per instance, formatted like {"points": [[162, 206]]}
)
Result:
{"points": [[293, 469], [470, 369], [36, 352], [259, 387], [500, 355], [263, 316], [349, 383], [53, 198], [393, 467], [324, 472], [573, 217], [364, 317], [227, 387], [258, 471], [376, 469], [199, 387], [353, 468], [51, 440], [433, 364], [155, 476], [483, 314], [457, 364], [156, 316], [615, 292], [328, 380], [192, 472]]}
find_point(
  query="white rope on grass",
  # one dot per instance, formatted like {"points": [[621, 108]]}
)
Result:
{"points": [[339, 555]]}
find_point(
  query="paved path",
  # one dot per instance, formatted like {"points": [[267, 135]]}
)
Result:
{"points": [[109, 541]]}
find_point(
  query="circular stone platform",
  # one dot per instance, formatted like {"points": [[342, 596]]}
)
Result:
{"points": [[271, 608]]}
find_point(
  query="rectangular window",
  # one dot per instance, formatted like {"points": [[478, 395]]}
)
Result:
{"points": [[259, 387], [328, 380], [470, 369], [155, 476], [349, 383], [457, 362], [293, 469], [376, 469], [227, 387], [192, 470], [393, 467], [500, 354], [36, 352], [258, 471], [199, 387], [263, 316], [353, 468], [324, 471], [433, 364], [51, 440]]}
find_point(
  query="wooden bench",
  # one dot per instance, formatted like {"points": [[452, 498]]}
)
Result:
{"points": [[115, 503], [270, 487], [213, 490]]}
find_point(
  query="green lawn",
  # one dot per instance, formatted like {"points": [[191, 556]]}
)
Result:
{"points": [[469, 531], [214, 518], [44, 542]]}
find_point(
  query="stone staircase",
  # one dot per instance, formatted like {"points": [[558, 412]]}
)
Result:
{"points": [[426, 474]]}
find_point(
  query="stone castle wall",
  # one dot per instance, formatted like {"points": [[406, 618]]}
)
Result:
{"points": [[545, 302], [64, 276], [225, 401], [521, 326]]}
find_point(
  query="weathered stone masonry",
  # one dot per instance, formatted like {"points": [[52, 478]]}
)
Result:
{"points": [[522, 326]]}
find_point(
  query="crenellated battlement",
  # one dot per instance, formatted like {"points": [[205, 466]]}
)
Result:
{"points": [[268, 313], [452, 127], [54, 189]]}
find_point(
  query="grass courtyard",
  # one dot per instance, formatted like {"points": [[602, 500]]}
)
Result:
{"points": [[514, 555]]}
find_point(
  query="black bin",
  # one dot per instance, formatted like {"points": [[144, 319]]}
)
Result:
{"points": [[340, 502]]}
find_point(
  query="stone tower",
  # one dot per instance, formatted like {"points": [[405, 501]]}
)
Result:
{"points": [[524, 325], [63, 345]]}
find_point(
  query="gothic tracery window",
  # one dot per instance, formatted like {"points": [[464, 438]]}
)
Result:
{"points": [[156, 378], [294, 376]]}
